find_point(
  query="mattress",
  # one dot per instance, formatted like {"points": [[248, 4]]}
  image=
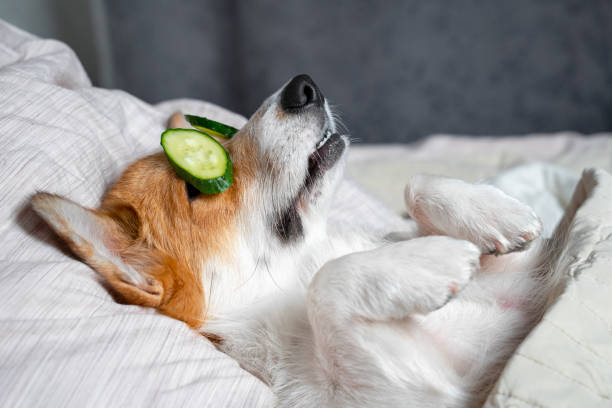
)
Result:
{"points": [[64, 340]]}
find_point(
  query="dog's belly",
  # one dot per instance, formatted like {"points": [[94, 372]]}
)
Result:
{"points": [[460, 349], [417, 358], [464, 329], [442, 357]]}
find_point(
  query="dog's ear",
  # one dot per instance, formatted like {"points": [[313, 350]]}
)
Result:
{"points": [[109, 241], [105, 241]]}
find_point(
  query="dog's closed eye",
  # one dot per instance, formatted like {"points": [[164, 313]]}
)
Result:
{"points": [[192, 192]]}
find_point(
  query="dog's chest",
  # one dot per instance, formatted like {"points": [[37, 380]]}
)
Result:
{"points": [[253, 278]]}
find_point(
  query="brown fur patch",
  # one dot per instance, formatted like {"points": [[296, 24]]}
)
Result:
{"points": [[168, 237], [148, 219]]}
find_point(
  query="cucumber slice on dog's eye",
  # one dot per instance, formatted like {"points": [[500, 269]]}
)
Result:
{"points": [[211, 127], [198, 159]]}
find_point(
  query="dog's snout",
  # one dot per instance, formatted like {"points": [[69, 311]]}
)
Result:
{"points": [[301, 92]]}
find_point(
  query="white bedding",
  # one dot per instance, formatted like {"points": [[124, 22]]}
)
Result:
{"points": [[64, 341], [567, 359]]}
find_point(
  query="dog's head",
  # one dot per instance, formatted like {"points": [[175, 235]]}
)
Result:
{"points": [[159, 243], [292, 138]]}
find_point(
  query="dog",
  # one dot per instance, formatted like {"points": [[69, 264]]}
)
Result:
{"points": [[326, 315]]}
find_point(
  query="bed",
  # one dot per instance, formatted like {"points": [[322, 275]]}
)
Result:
{"points": [[64, 340]]}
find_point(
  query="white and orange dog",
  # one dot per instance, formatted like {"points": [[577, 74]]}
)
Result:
{"points": [[326, 316]]}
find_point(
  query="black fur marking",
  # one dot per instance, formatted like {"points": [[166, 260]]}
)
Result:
{"points": [[288, 225], [192, 192]]}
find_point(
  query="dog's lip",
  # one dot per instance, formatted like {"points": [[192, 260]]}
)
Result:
{"points": [[328, 152], [326, 135]]}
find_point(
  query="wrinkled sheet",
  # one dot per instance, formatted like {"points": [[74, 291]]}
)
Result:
{"points": [[381, 169], [64, 341], [566, 361]]}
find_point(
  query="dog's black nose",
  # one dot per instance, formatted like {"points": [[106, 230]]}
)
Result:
{"points": [[301, 92]]}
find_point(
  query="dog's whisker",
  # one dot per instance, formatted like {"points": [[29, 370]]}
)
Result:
{"points": [[272, 277], [250, 276]]}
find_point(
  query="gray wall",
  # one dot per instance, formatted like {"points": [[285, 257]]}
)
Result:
{"points": [[397, 70]]}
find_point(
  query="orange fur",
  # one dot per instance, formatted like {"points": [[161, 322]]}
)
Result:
{"points": [[148, 220], [175, 235]]}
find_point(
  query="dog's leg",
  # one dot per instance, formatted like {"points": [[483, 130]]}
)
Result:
{"points": [[479, 213], [395, 280], [387, 284]]}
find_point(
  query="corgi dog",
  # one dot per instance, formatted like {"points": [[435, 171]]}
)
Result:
{"points": [[326, 315]]}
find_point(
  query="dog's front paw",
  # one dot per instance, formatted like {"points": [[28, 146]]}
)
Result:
{"points": [[479, 213], [507, 224], [452, 264]]}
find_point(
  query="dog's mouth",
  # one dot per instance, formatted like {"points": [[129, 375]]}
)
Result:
{"points": [[328, 151]]}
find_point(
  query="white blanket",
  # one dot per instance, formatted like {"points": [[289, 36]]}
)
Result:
{"points": [[567, 359], [64, 341]]}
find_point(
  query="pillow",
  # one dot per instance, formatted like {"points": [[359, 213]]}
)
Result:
{"points": [[566, 361]]}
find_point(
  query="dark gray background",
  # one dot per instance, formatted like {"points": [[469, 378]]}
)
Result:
{"points": [[397, 70]]}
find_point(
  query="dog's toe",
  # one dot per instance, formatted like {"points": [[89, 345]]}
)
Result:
{"points": [[515, 233]]}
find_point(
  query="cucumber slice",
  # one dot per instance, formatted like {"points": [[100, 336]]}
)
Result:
{"points": [[211, 127], [198, 159]]}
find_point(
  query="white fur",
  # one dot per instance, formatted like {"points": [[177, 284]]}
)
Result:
{"points": [[345, 318]]}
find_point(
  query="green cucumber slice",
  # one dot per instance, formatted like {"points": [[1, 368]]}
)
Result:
{"points": [[198, 159], [211, 127]]}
